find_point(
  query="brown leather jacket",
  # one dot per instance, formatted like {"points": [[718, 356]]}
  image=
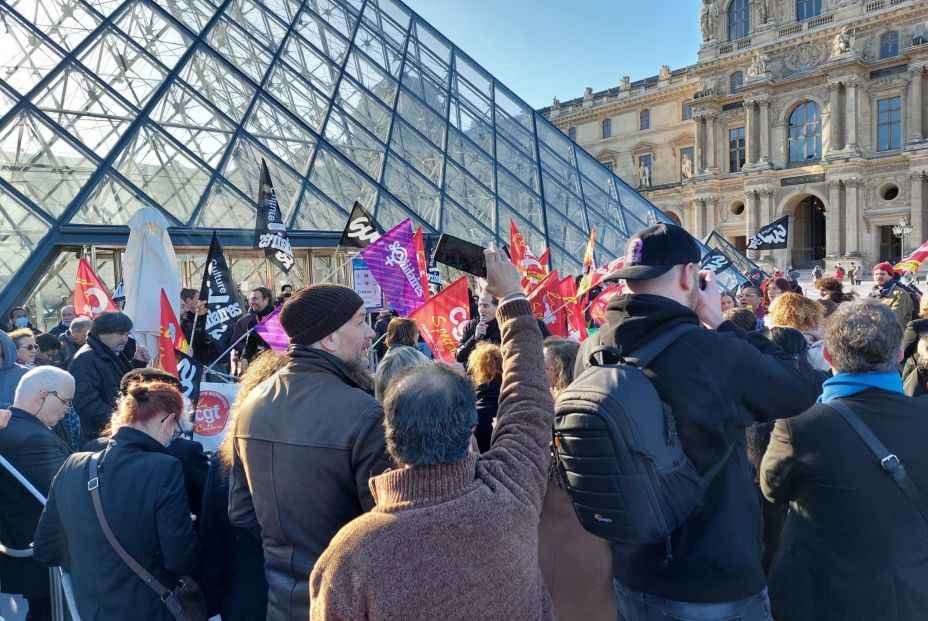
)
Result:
{"points": [[306, 442]]}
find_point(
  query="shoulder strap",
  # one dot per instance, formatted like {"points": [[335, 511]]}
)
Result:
{"points": [[889, 461], [644, 355], [93, 486]]}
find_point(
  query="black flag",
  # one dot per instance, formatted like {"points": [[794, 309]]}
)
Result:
{"points": [[218, 291], [190, 374], [771, 237], [270, 230], [362, 229], [715, 262]]}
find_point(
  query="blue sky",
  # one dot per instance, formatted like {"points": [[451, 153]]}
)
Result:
{"points": [[558, 47]]}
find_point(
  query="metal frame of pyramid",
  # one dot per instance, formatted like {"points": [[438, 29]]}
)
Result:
{"points": [[109, 105]]}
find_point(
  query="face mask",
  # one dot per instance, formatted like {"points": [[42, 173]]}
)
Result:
{"points": [[21, 322]]}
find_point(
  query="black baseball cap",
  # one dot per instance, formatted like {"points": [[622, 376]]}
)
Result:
{"points": [[655, 250]]}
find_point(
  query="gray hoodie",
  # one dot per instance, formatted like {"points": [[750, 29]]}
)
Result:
{"points": [[10, 372]]}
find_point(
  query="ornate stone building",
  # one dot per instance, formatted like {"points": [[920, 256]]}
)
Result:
{"points": [[814, 109]]}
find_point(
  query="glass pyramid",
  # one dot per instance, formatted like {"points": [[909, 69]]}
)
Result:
{"points": [[107, 106]]}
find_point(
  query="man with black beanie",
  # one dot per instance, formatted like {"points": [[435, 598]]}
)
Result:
{"points": [[306, 442]]}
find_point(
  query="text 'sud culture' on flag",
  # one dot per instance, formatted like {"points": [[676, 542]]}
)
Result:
{"points": [[441, 320], [270, 230], [392, 261], [222, 306]]}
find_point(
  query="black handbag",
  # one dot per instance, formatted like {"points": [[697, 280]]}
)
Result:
{"points": [[890, 463], [186, 602]]}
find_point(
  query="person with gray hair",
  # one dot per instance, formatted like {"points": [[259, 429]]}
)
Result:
{"points": [[397, 359], [98, 367], [854, 545], [43, 397], [454, 534]]}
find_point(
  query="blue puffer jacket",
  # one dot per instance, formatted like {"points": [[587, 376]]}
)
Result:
{"points": [[10, 372]]}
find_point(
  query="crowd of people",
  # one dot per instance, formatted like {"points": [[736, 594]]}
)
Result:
{"points": [[421, 490]]}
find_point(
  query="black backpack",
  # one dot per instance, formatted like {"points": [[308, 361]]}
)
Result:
{"points": [[618, 453]]}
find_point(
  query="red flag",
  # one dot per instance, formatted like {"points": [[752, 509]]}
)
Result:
{"points": [[576, 323], [912, 262], [588, 264], [601, 272], [420, 258], [441, 320], [90, 295], [598, 306], [547, 304], [526, 262], [172, 337]]}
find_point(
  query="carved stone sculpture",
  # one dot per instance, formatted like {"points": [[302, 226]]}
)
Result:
{"points": [[625, 83], [644, 176], [763, 10], [588, 94], [665, 72], [555, 103], [686, 167], [710, 11], [841, 44], [758, 65]]}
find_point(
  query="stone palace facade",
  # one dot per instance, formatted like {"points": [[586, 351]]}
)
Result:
{"points": [[813, 109]]}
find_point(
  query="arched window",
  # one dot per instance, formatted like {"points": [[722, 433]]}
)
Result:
{"points": [[572, 133], [739, 19], [644, 119], [735, 82], [889, 44], [607, 128], [808, 8], [805, 133]]}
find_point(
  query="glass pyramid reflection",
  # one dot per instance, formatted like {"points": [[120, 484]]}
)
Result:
{"points": [[107, 106]]}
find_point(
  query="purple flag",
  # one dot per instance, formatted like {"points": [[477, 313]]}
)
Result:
{"points": [[272, 332], [392, 261]]}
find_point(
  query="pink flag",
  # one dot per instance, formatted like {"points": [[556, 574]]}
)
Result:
{"points": [[272, 332], [392, 261]]}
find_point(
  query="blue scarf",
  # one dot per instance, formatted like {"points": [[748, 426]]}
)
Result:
{"points": [[847, 384]]}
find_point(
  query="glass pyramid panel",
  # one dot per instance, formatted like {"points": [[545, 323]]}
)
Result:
{"points": [[85, 108], [26, 58], [346, 100], [41, 164], [68, 22], [20, 233]]}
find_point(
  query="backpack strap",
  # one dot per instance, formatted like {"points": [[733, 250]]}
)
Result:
{"points": [[644, 355], [888, 461]]}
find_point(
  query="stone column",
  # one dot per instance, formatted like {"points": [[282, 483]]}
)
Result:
{"points": [[764, 131], [917, 102], [853, 215], [749, 132], [698, 160], [765, 215], [851, 115], [919, 219], [710, 142], [699, 206], [752, 221], [834, 117], [712, 205], [833, 246]]}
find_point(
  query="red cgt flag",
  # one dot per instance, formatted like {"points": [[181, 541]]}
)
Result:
{"points": [[90, 295], [441, 319], [532, 268], [547, 304], [576, 323], [598, 306], [420, 259], [172, 337]]}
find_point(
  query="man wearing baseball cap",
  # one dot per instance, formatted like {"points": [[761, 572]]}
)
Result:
{"points": [[717, 380], [890, 292], [306, 441]]}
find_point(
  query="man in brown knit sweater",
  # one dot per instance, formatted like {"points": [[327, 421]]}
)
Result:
{"points": [[453, 535]]}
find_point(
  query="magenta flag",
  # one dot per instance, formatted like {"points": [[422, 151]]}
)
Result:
{"points": [[272, 332], [392, 261]]}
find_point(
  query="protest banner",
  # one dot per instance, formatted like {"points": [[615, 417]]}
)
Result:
{"points": [[392, 261], [365, 285], [598, 306], [218, 291], [90, 294], [361, 230], [270, 230], [771, 237], [172, 337], [912, 262], [272, 332], [214, 407], [441, 320]]}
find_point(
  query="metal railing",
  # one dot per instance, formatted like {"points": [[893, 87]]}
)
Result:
{"points": [[64, 607]]}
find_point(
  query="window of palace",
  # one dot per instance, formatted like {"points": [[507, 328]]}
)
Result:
{"points": [[736, 149], [889, 123], [572, 133], [889, 44], [735, 81], [687, 111], [607, 128], [805, 133], [806, 9], [739, 19], [644, 120]]}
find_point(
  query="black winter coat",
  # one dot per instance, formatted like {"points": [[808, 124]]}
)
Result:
{"points": [[716, 382], [142, 491], [205, 349], [97, 372], [853, 546], [487, 406], [253, 344], [37, 453], [306, 442], [468, 342]]}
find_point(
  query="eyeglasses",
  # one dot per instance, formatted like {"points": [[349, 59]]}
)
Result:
{"points": [[65, 403], [31, 347], [178, 431]]}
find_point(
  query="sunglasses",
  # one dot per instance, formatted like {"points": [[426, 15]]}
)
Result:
{"points": [[31, 347]]}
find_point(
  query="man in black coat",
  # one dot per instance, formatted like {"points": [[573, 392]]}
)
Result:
{"points": [[193, 324], [98, 368], [716, 381], [854, 546], [43, 397], [260, 306], [484, 328], [306, 442]]}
